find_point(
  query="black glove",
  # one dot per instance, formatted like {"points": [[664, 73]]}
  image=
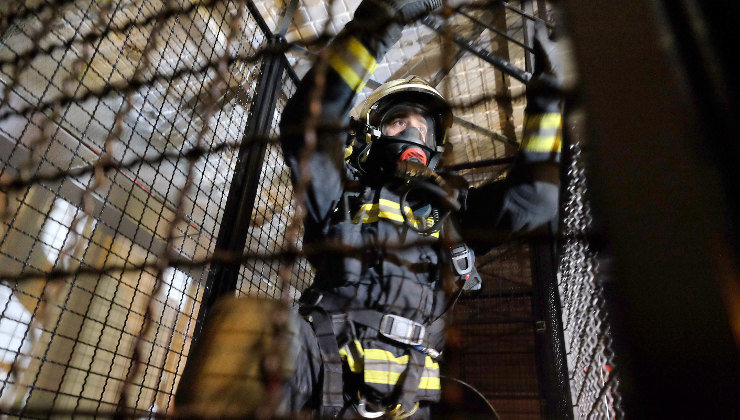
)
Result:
{"points": [[378, 23], [544, 89], [401, 11], [547, 60]]}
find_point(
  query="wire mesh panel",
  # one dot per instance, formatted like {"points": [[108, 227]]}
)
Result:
{"points": [[593, 378], [273, 211], [494, 334], [118, 129]]}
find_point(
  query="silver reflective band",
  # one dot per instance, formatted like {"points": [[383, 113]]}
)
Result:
{"points": [[401, 329]]}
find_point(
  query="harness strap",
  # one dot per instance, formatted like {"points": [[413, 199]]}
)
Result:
{"points": [[411, 381], [332, 391]]}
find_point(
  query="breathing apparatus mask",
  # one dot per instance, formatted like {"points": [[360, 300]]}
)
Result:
{"points": [[400, 134], [404, 119], [406, 132]]}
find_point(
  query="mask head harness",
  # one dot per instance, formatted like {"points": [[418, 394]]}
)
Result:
{"points": [[402, 120]]}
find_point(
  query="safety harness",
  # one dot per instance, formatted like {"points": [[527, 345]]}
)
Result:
{"points": [[392, 384], [402, 332], [405, 379]]}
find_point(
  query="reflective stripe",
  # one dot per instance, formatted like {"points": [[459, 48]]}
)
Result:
{"points": [[349, 76], [389, 210], [542, 133], [381, 377], [549, 121], [353, 356], [362, 54], [429, 382], [353, 62], [376, 359], [385, 355], [382, 367], [391, 378]]}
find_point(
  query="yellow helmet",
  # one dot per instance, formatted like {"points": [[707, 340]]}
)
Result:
{"points": [[414, 90]]}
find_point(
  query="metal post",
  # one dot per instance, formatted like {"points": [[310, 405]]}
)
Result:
{"points": [[552, 367], [232, 235]]}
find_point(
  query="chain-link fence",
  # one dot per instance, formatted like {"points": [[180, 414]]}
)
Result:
{"points": [[591, 368], [122, 128]]}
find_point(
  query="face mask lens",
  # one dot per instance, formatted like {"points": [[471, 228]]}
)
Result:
{"points": [[409, 122]]}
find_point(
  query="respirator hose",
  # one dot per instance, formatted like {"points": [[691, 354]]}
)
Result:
{"points": [[419, 177]]}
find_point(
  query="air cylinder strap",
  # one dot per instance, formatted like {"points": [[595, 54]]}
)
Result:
{"points": [[332, 391]]}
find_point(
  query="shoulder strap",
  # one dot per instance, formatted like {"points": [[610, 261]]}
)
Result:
{"points": [[332, 390]]}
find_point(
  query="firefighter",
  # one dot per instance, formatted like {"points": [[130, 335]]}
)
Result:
{"points": [[372, 328], [396, 231]]}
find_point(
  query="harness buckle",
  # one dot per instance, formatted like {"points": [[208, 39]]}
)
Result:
{"points": [[365, 413], [462, 262], [402, 330]]}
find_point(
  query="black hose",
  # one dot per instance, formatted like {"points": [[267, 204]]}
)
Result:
{"points": [[447, 200]]}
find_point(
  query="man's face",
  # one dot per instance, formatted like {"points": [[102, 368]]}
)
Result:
{"points": [[403, 117]]}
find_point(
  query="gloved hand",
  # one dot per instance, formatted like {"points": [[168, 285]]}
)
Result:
{"points": [[544, 89], [378, 24], [547, 62], [401, 11]]}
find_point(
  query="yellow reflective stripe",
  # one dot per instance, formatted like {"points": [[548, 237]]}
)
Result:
{"points": [[549, 121], [390, 210], [349, 75], [395, 213], [348, 357], [543, 144], [429, 382], [345, 353], [391, 378], [358, 347], [542, 133], [354, 367], [353, 62], [392, 204], [381, 377], [384, 355], [363, 55], [367, 213]]}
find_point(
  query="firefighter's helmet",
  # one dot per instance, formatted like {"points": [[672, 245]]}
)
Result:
{"points": [[412, 90]]}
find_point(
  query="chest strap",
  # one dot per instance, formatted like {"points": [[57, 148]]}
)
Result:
{"points": [[393, 327]]}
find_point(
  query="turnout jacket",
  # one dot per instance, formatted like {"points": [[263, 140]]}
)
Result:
{"points": [[398, 270]]}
